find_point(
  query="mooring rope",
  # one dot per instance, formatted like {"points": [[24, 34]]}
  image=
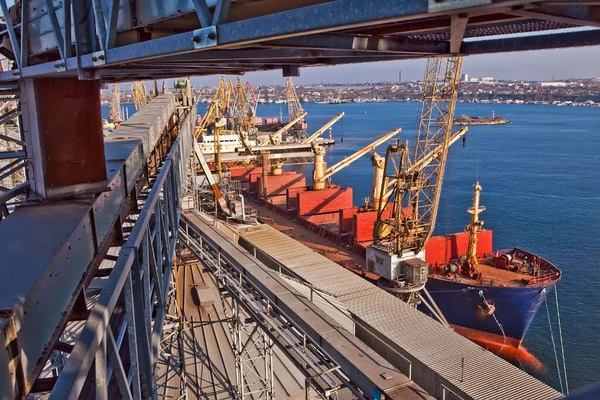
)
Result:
{"points": [[562, 390], [497, 322], [562, 346]]}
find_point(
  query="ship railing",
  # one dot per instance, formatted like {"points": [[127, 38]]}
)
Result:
{"points": [[449, 394], [534, 280], [384, 348]]}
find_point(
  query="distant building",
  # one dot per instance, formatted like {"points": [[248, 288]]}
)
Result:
{"points": [[487, 79], [465, 78], [552, 84]]}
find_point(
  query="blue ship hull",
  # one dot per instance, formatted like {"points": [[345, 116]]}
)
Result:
{"points": [[463, 306]]}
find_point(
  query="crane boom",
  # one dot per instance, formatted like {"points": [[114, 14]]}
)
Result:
{"points": [[140, 94], [435, 126], [323, 128], [425, 160], [293, 102], [217, 107], [350, 159], [283, 129], [417, 180]]}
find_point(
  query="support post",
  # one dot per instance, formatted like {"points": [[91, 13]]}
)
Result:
{"points": [[62, 126], [265, 173]]}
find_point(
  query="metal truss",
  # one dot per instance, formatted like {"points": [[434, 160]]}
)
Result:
{"points": [[420, 190], [253, 351], [133, 304], [125, 40], [266, 318], [13, 158], [170, 360]]}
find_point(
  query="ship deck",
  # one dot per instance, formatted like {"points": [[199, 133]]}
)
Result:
{"points": [[487, 273]]}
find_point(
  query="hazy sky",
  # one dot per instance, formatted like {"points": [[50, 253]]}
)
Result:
{"points": [[582, 62]]}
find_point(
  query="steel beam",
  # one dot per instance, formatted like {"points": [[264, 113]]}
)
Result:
{"points": [[362, 43], [538, 42], [582, 16]]}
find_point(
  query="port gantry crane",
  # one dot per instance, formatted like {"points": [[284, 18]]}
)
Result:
{"points": [[140, 94], [413, 182], [244, 114], [216, 115], [293, 102], [115, 115]]}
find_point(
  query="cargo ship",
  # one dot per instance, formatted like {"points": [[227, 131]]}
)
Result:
{"points": [[490, 297]]}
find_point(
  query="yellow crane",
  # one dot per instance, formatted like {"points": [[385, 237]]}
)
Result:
{"points": [[140, 94], [379, 194], [293, 102], [217, 108], [243, 110], [417, 178], [115, 115], [321, 173], [475, 226], [318, 133], [274, 138]]}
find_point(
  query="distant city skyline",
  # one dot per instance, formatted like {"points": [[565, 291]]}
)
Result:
{"points": [[534, 65]]}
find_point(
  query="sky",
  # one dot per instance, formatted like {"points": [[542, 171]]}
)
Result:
{"points": [[581, 62]]}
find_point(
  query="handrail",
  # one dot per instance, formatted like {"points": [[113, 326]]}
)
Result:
{"points": [[141, 277], [290, 274]]}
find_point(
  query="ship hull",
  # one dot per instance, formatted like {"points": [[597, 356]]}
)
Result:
{"points": [[463, 307]]}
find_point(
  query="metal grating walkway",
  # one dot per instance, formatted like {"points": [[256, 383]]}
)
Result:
{"points": [[436, 353]]}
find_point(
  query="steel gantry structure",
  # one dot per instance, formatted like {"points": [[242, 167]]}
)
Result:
{"points": [[125, 40], [104, 215]]}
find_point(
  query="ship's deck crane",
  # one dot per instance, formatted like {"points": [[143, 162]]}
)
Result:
{"points": [[274, 138], [475, 226], [379, 194], [318, 133], [419, 189], [321, 174]]}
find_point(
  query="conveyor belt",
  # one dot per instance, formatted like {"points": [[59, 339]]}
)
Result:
{"points": [[437, 353]]}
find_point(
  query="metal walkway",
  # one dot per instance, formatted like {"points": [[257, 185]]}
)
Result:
{"points": [[208, 357], [441, 361]]}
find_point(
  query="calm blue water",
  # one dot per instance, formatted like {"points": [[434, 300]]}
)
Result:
{"points": [[541, 186]]}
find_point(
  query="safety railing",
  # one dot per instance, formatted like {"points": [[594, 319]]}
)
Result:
{"points": [[133, 297], [232, 278], [448, 394], [322, 295]]}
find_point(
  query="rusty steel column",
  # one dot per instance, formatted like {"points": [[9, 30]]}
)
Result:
{"points": [[62, 126]]}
